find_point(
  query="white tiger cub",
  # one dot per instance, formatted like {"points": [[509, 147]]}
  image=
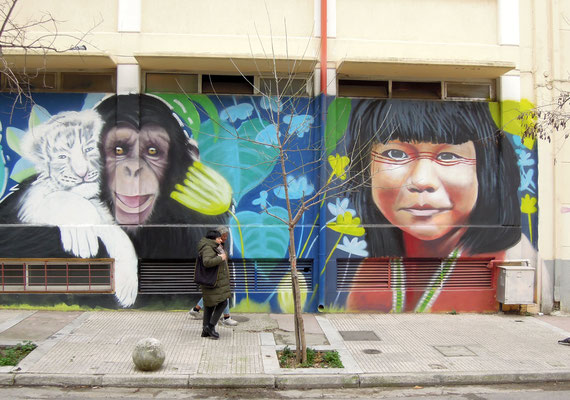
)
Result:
{"points": [[66, 194]]}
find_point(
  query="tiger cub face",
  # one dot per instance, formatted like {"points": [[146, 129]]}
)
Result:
{"points": [[65, 152]]}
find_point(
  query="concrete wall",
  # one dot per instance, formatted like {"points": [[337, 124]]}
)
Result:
{"points": [[519, 42]]}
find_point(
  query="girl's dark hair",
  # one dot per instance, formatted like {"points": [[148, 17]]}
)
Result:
{"points": [[494, 223], [213, 234]]}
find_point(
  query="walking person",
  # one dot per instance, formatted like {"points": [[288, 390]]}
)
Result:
{"points": [[195, 311], [212, 252]]}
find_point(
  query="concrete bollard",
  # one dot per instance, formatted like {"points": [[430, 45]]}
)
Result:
{"points": [[148, 354]]}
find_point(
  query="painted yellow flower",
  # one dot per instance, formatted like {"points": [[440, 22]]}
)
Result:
{"points": [[285, 294], [528, 204], [347, 225], [338, 164], [204, 190]]}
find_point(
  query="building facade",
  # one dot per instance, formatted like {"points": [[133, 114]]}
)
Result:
{"points": [[165, 120]]}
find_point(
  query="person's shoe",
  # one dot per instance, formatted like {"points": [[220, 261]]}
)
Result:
{"points": [[207, 331], [565, 342], [228, 321], [195, 314]]}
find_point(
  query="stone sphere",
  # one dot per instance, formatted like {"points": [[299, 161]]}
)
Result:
{"points": [[148, 354]]}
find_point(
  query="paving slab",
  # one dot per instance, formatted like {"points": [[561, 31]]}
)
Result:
{"points": [[285, 335], [414, 343], [9, 318], [38, 326], [95, 348], [286, 322], [561, 322]]}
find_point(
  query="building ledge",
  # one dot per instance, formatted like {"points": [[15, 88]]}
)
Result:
{"points": [[422, 69], [73, 59], [223, 64]]}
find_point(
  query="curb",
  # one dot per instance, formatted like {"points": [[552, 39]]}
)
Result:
{"points": [[461, 378], [317, 381], [289, 381]]}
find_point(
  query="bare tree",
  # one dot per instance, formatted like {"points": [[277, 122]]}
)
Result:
{"points": [[34, 36], [289, 110], [548, 120]]}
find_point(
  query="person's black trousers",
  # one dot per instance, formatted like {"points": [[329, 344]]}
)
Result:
{"points": [[212, 314]]}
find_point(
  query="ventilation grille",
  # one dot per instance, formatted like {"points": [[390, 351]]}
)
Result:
{"points": [[56, 275], [374, 274], [177, 277], [384, 273]]}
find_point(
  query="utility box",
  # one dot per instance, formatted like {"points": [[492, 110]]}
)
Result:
{"points": [[515, 284]]}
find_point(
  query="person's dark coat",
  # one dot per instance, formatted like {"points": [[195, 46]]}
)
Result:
{"points": [[207, 249]]}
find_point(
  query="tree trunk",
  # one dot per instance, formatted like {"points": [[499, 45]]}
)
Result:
{"points": [[301, 344]]}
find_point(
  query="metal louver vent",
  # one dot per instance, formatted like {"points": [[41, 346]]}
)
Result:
{"points": [[361, 274], [413, 273], [267, 275]]}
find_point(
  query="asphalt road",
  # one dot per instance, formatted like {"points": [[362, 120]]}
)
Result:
{"points": [[551, 391]]}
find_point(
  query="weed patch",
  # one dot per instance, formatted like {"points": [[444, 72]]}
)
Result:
{"points": [[315, 359], [12, 355]]}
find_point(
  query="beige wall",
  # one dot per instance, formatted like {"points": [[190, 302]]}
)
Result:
{"points": [[432, 30], [417, 32], [436, 30]]}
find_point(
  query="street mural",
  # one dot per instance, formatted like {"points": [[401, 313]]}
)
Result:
{"points": [[142, 178]]}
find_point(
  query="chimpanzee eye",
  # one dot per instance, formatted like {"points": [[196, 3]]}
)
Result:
{"points": [[152, 151], [119, 150]]}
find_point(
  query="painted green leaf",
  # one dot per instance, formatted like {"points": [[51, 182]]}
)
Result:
{"points": [[264, 236], [3, 171], [243, 163], [38, 116], [185, 109], [338, 115], [20, 174], [13, 137], [208, 106]]}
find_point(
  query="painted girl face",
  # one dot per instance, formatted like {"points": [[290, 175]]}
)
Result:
{"points": [[425, 189]]}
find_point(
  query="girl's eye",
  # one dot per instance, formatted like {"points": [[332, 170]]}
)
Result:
{"points": [[61, 157], [152, 151], [396, 154], [448, 157], [88, 149], [119, 150]]}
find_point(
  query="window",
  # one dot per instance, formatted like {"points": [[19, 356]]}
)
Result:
{"points": [[438, 90], [469, 91], [171, 83], [362, 88], [56, 276], [32, 82], [99, 82], [285, 86], [227, 84], [416, 90], [87, 82]]}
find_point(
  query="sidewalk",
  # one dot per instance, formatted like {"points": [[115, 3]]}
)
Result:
{"points": [[94, 348]]}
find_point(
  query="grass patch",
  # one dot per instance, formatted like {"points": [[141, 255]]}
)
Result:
{"points": [[12, 355], [315, 359], [55, 307]]}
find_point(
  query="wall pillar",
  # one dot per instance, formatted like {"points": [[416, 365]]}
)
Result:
{"points": [[128, 78]]}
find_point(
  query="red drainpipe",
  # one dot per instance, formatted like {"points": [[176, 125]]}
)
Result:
{"points": [[324, 47]]}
